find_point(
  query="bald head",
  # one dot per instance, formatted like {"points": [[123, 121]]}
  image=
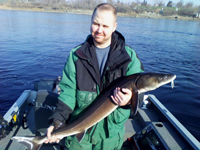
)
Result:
{"points": [[105, 7]]}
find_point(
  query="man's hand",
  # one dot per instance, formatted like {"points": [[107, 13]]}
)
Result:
{"points": [[121, 96], [51, 139]]}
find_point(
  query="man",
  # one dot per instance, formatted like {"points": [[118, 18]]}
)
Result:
{"points": [[90, 68]]}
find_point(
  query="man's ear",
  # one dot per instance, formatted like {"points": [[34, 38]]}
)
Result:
{"points": [[115, 27]]}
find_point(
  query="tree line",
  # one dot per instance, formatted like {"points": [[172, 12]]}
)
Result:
{"points": [[135, 7]]}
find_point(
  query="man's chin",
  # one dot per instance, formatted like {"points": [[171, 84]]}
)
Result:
{"points": [[98, 41]]}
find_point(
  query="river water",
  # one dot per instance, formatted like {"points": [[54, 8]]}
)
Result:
{"points": [[35, 45]]}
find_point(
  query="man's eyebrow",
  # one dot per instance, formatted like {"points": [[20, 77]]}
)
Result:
{"points": [[94, 21], [105, 25]]}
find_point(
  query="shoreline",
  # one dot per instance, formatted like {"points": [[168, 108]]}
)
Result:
{"points": [[89, 12]]}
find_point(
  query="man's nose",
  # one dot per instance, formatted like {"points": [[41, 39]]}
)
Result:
{"points": [[100, 28]]}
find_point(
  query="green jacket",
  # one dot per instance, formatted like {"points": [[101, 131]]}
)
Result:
{"points": [[82, 82]]}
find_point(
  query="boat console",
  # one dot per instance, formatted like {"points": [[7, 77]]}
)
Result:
{"points": [[158, 129], [149, 138]]}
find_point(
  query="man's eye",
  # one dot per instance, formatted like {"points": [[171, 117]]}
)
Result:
{"points": [[96, 24]]}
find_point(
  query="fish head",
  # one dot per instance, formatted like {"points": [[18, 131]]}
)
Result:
{"points": [[151, 81]]}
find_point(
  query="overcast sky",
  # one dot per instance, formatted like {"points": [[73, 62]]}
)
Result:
{"points": [[195, 2]]}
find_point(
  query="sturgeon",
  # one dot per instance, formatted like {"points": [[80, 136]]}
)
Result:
{"points": [[103, 106]]}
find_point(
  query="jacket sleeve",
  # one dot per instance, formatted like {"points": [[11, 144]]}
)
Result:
{"points": [[62, 112], [67, 98]]}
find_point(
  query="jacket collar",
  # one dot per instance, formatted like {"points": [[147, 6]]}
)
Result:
{"points": [[117, 53], [117, 57]]}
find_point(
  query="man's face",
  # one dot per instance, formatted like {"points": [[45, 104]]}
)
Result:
{"points": [[103, 24]]}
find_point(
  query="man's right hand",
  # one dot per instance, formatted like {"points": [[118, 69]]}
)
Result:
{"points": [[51, 139]]}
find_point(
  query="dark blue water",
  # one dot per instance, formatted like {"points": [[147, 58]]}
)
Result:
{"points": [[35, 45]]}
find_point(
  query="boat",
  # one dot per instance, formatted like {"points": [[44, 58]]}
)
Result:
{"points": [[154, 127]]}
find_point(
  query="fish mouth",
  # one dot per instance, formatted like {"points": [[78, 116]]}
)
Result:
{"points": [[167, 79], [172, 81]]}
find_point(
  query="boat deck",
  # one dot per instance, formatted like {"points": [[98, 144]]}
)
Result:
{"points": [[8, 144]]}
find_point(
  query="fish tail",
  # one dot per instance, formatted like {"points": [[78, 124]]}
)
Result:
{"points": [[31, 142]]}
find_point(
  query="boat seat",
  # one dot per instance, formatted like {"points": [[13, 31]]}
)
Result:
{"points": [[44, 106]]}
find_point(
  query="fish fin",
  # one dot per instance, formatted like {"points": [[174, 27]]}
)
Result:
{"points": [[29, 141], [80, 136], [135, 102], [89, 130]]}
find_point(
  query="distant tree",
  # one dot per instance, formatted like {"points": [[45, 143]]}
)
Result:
{"points": [[179, 4], [168, 11], [110, 1], [161, 3], [133, 6], [137, 2], [158, 3], [84, 4], [121, 7], [169, 4], [144, 3], [189, 5], [186, 12]]}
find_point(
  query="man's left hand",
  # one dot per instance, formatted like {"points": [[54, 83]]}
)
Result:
{"points": [[122, 96]]}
